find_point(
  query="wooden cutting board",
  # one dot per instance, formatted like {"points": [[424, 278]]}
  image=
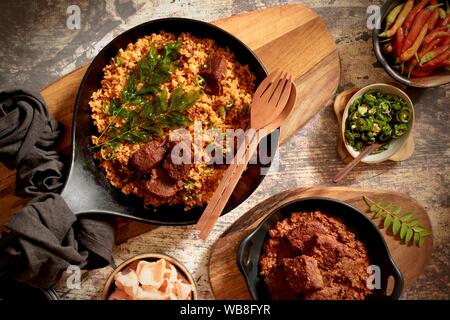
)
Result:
{"points": [[228, 283], [291, 37]]}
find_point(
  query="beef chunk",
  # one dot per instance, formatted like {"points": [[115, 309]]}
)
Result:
{"points": [[177, 171], [275, 250], [161, 184], [327, 293], [300, 236], [303, 274], [213, 73], [148, 156], [326, 249], [278, 286]]}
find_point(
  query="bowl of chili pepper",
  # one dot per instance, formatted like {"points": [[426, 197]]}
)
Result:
{"points": [[378, 113], [413, 45]]}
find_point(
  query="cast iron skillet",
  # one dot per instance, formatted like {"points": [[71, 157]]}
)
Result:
{"points": [[87, 190], [250, 248]]}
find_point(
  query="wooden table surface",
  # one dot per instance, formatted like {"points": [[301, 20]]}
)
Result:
{"points": [[38, 50]]}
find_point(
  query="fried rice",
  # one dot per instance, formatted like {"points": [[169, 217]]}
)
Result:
{"points": [[201, 180]]}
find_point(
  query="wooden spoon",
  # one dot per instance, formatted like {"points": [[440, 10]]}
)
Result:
{"points": [[259, 116], [364, 152], [232, 175]]}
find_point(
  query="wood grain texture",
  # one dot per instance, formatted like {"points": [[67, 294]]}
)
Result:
{"points": [[228, 283], [294, 38], [289, 37], [340, 102], [35, 54]]}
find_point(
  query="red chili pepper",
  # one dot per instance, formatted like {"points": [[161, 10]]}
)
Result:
{"points": [[439, 61], [443, 22], [430, 46], [429, 56], [399, 21], [442, 28], [408, 54], [399, 39], [413, 62], [417, 73], [446, 41], [433, 19], [434, 35], [433, 44], [419, 22], [433, 2], [442, 64], [412, 14]]}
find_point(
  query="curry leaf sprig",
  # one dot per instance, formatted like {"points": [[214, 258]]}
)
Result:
{"points": [[149, 119], [405, 224], [147, 111]]}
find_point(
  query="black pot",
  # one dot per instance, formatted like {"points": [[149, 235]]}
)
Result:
{"points": [[250, 248], [87, 189]]}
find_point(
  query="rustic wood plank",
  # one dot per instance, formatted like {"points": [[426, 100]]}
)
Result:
{"points": [[35, 54]]}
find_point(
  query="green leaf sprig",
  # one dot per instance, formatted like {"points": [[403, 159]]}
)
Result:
{"points": [[149, 119], [152, 111], [405, 224]]}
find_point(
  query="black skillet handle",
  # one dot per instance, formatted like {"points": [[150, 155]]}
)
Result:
{"points": [[247, 265], [390, 269], [82, 193]]}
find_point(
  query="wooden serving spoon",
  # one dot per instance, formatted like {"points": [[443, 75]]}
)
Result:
{"points": [[364, 152], [272, 103]]}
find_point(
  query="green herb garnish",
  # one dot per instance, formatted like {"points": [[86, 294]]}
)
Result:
{"points": [[405, 224], [118, 61], [208, 171], [199, 81], [152, 117], [190, 185], [245, 108], [222, 111], [155, 69], [147, 111]]}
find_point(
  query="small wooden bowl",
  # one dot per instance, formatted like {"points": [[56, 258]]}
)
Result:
{"points": [[395, 144], [110, 286]]}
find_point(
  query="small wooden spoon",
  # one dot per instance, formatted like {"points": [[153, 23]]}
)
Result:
{"points": [[268, 109], [364, 152]]}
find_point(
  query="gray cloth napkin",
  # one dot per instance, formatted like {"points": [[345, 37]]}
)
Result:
{"points": [[45, 237]]}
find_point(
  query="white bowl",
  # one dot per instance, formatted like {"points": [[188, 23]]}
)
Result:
{"points": [[395, 144]]}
